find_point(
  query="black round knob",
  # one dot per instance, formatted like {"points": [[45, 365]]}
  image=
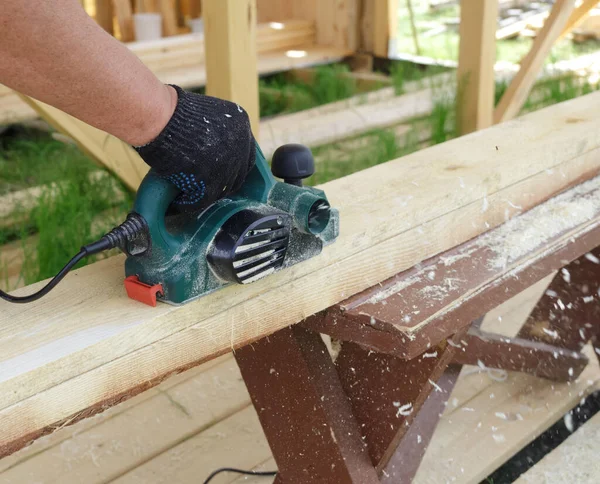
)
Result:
{"points": [[293, 163]]}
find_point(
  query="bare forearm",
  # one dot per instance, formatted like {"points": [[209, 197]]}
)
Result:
{"points": [[54, 52]]}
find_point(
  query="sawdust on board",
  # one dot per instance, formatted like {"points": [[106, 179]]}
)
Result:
{"points": [[533, 229], [512, 240]]}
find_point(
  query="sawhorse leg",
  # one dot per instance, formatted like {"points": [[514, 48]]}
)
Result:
{"points": [[303, 410]]}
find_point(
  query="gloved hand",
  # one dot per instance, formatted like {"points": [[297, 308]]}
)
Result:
{"points": [[207, 149]]}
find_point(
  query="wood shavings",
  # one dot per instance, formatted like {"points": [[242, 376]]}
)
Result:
{"points": [[536, 227]]}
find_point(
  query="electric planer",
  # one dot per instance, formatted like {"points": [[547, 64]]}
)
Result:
{"points": [[264, 227]]}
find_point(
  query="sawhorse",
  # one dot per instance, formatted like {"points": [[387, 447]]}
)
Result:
{"points": [[367, 413]]}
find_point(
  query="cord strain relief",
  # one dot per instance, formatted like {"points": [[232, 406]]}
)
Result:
{"points": [[132, 232]]}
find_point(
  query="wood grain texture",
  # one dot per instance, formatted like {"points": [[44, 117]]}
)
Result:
{"points": [[87, 344], [516, 94], [477, 55]]}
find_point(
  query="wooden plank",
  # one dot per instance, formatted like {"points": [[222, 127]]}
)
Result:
{"points": [[513, 29], [150, 430], [87, 340], [578, 16], [322, 125], [475, 437], [475, 74], [145, 6], [97, 431], [231, 62], [92, 439], [412, 311], [574, 460], [167, 10], [274, 10], [124, 16], [516, 94], [235, 442]]}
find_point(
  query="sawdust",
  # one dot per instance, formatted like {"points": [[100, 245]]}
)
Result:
{"points": [[393, 289], [524, 234]]}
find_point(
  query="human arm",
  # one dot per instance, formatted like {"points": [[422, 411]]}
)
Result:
{"points": [[53, 51]]}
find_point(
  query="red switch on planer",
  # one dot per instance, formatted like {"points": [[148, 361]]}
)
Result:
{"points": [[141, 292]]}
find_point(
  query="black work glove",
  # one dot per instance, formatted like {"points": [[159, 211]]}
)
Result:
{"points": [[207, 149]]}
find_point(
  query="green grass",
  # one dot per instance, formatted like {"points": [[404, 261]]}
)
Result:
{"points": [[32, 158], [330, 84], [370, 149], [402, 72], [70, 214]]}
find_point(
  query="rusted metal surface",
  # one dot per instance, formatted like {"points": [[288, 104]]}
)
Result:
{"points": [[568, 314], [518, 354], [387, 393], [418, 308], [303, 410], [405, 461]]}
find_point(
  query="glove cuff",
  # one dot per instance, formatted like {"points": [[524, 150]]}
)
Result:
{"points": [[195, 130]]}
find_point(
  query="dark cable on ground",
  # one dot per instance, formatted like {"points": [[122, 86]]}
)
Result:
{"points": [[240, 471]]}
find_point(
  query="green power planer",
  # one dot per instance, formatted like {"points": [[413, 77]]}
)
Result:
{"points": [[264, 227]]}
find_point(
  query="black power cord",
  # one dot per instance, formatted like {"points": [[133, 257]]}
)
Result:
{"points": [[131, 237], [240, 471]]}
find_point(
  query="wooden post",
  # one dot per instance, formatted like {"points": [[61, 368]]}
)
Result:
{"points": [[145, 6], [124, 19], [384, 26], [169, 18], [195, 8], [104, 15], [231, 64], [515, 96], [578, 16], [477, 54]]}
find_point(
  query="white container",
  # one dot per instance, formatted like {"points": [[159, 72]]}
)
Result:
{"points": [[197, 25], [148, 26]]}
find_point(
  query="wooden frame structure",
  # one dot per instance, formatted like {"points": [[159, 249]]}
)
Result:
{"points": [[87, 346], [477, 55]]}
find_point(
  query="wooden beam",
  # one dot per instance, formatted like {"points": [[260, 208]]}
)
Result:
{"points": [[477, 55], [578, 16], [231, 59], [169, 18], [195, 8], [114, 154], [124, 16], [515, 96], [384, 26], [104, 14], [145, 6], [87, 346]]}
